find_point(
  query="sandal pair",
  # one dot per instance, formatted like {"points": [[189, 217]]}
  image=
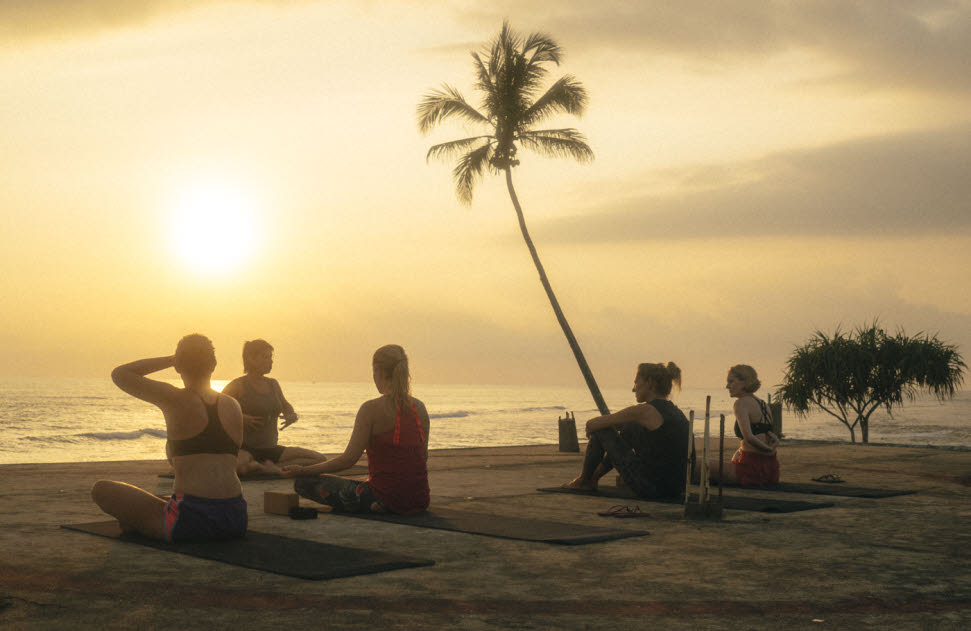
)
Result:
{"points": [[623, 511], [829, 478]]}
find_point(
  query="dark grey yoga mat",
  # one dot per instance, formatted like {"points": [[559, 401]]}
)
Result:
{"points": [[836, 490], [271, 553], [504, 526], [353, 471], [243, 478], [732, 502]]}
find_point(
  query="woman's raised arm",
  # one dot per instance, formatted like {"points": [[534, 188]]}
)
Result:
{"points": [[131, 378]]}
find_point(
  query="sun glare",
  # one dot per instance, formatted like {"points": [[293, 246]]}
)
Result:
{"points": [[213, 228]]}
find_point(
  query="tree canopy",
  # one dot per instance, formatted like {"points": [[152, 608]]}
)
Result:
{"points": [[851, 375], [509, 74]]}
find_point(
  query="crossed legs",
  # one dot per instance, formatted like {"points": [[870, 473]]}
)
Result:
{"points": [[341, 494], [247, 464], [134, 508]]}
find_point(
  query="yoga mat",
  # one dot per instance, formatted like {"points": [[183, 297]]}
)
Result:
{"points": [[841, 490], [270, 553], [503, 526], [243, 478], [733, 502], [350, 473]]}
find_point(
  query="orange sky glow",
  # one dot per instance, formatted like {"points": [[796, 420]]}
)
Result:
{"points": [[253, 169]]}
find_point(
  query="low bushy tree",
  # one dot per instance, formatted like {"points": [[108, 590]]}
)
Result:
{"points": [[850, 375]]}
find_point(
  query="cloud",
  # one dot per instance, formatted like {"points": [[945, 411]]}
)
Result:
{"points": [[33, 20], [909, 184], [923, 43], [29, 19]]}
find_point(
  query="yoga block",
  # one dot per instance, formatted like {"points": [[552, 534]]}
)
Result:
{"points": [[279, 503]]}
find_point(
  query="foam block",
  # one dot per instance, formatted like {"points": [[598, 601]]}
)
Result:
{"points": [[279, 503]]}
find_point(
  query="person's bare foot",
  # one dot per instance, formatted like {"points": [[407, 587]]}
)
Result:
{"points": [[579, 484], [127, 529], [271, 467]]}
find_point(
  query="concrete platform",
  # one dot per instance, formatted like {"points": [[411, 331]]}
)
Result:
{"points": [[899, 562]]}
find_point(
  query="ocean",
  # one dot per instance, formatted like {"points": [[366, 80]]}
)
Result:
{"points": [[76, 420]]}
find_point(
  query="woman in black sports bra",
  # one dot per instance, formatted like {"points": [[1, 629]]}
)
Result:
{"points": [[205, 429], [755, 463]]}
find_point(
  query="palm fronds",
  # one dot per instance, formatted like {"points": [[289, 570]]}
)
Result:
{"points": [[560, 143], [468, 170], [567, 95], [437, 105], [509, 73], [447, 150], [541, 48]]}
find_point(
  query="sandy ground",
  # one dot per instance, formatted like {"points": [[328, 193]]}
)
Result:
{"points": [[899, 562]]}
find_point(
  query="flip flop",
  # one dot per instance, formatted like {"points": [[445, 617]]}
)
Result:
{"points": [[623, 511], [829, 478]]}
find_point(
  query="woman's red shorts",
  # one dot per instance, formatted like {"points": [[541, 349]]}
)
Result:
{"points": [[755, 469]]}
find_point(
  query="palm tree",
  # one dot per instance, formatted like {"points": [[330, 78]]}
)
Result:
{"points": [[509, 73]]}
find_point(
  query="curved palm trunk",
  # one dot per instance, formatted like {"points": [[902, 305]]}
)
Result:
{"points": [[574, 345]]}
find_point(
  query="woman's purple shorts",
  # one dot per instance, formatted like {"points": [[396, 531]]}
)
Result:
{"points": [[192, 518]]}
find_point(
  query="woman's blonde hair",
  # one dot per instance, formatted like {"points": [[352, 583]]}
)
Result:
{"points": [[663, 376], [195, 356], [393, 364], [747, 375]]}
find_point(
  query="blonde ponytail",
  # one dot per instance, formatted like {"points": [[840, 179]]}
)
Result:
{"points": [[392, 361]]}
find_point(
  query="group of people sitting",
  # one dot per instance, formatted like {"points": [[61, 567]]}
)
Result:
{"points": [[648, 443], [213, 438]]}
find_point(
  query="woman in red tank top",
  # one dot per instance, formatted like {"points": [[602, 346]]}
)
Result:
{"points": [[393, 429]]}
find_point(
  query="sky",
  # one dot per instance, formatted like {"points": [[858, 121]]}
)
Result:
{"points": [[253, 169]]}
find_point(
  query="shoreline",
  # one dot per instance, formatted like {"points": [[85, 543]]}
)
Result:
{"points": [[94, 420], [872, 444], [553, 446]]}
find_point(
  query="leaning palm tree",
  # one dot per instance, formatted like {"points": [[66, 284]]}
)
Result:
{"points": [[509, 73]]}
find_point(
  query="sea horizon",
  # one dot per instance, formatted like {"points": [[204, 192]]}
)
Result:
{"points": [[78, 419]]}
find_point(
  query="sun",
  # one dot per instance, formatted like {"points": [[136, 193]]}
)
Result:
{"points": [[213, 228]]}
